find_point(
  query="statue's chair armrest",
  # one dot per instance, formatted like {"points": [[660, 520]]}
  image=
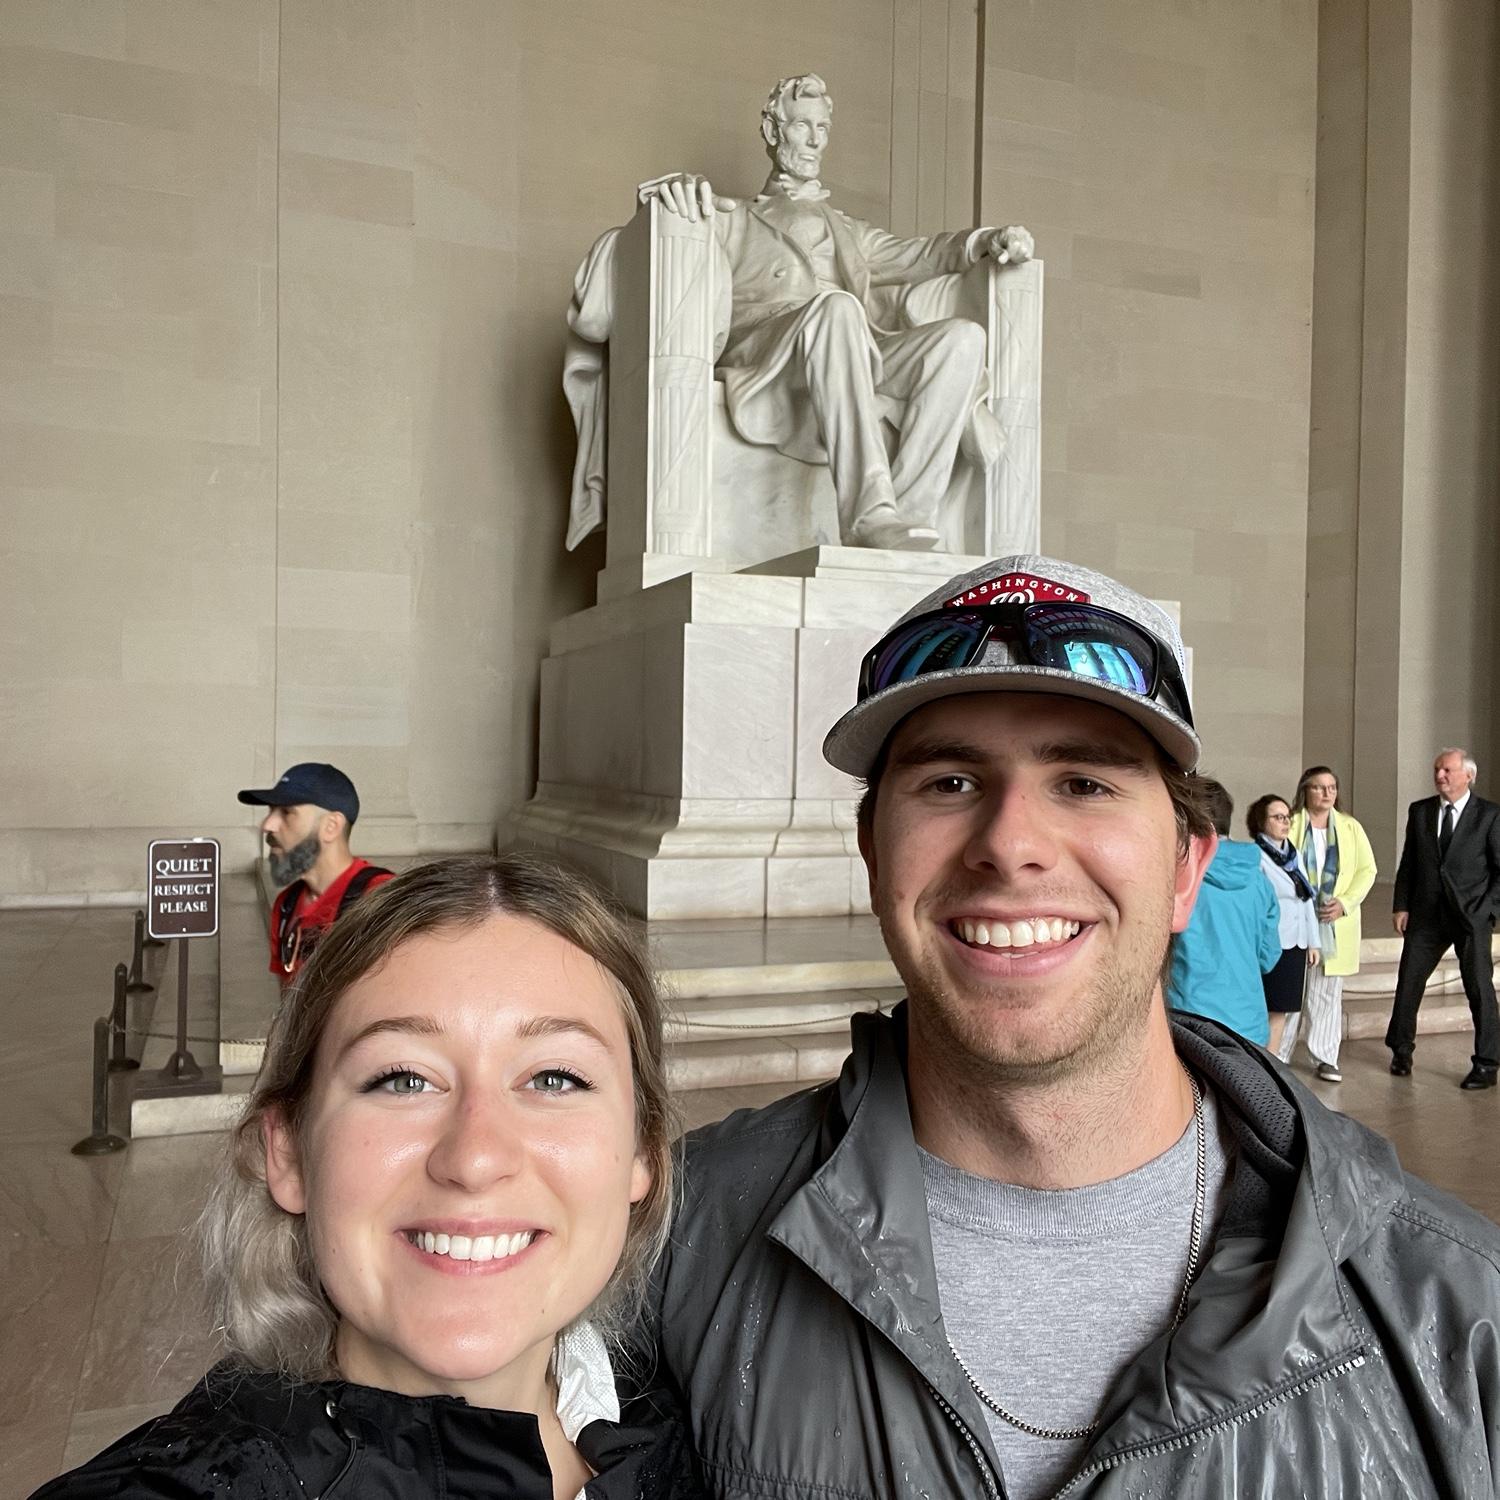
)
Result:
{"points": [[960, 294]]}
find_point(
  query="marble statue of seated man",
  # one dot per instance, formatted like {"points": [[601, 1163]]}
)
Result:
{"points": [[816, 339]]}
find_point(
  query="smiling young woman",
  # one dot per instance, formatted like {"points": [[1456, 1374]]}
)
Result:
{"points": [[442, 1202]]}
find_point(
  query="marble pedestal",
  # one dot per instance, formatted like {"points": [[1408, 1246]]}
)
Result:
{"points": [[682, 729]]}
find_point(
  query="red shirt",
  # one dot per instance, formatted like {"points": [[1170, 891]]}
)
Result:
{"points": [[312, 917]]}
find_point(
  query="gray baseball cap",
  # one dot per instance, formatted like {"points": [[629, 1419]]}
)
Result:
{"points": [[854, 743]]}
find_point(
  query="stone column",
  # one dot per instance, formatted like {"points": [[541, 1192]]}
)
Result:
{"points": [[1405, 463]]}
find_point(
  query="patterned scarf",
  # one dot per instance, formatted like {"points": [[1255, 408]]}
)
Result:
{"points": [[1328, 878], [1285, 855]]}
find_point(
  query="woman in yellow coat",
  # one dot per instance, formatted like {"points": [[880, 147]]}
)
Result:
{"points": [[1340, 864]]}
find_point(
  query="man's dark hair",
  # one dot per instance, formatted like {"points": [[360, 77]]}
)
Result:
{"points": [[1217, 803], [1187, 791]]}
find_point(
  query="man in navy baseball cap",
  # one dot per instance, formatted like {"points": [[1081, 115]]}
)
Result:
{"points": [[312, 807]]}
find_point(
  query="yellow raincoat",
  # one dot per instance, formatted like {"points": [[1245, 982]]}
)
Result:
{"points": [[1356, 876]]}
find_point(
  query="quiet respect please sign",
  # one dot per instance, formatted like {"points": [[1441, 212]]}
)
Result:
{"points": [[183, 888]]}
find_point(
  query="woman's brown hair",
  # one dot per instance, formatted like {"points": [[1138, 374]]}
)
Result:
{"points": [[269, 1304]]}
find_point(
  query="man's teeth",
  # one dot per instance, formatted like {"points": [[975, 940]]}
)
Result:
{"points": [[479, 1247], [1018, 934]]}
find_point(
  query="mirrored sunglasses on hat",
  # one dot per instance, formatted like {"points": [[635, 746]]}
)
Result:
{"points": [[1082, 639]]}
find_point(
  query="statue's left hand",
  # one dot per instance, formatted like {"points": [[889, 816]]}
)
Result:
{"points": [[686, 194], [1011, 246]]}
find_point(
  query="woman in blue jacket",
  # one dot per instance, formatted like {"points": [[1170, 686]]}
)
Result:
{"points": [[1233, 937]]}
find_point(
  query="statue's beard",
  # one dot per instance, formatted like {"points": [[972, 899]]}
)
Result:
{"points": [[292, 864], [797, 162]]}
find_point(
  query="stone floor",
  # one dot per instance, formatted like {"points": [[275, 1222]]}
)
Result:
{"points": [[99, 1326]]}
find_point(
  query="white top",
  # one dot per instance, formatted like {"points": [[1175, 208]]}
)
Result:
{"points": [[1320, 854], [1458, 810], [585, 1381], [1299, 919]]}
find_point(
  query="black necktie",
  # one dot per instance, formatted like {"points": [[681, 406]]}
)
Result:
{"points": [[1445, 833]]}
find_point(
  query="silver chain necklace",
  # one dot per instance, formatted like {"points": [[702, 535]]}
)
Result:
{"points": [[1195, 1248]]}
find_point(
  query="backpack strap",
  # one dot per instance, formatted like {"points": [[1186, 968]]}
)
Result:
{"points": [[359, 883], [285, 903]]}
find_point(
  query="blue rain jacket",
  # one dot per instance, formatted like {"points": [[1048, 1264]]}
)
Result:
{"points": [[1233, 938]]}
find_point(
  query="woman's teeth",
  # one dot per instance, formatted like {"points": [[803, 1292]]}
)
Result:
{"points": [[1017, 934], [479, 1247]]}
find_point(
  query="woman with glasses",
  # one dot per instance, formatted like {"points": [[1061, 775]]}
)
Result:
{"points": [[437, 1215], [1269, 821], [1340, 866]]}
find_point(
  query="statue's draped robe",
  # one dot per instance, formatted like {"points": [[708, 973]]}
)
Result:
{"points": [[765, 281]]}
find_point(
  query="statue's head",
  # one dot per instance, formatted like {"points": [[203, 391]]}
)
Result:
{"points": [[795, 124]]}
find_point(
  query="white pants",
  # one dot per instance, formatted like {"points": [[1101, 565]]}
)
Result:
{"points": [[1323, 1006]]}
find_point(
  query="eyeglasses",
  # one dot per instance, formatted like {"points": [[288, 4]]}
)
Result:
{"points": [[1082, 639], [1278, 817]]}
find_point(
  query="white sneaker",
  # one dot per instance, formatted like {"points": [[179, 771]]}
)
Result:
{"points": [[1329, 1074]]}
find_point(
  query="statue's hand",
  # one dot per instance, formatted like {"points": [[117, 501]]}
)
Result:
{"points": [[685, 193], [1011, 246]]}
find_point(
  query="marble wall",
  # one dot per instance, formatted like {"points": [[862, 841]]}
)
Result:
{"points": [[286, 453], [1163, 156], [286, 458], [138, 407], [1402, 542]]}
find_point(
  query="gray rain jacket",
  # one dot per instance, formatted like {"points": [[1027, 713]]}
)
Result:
{"points": [[1342, 1340]]}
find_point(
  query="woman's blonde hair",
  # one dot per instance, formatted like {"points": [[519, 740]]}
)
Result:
{"points": [[259, 1272]]}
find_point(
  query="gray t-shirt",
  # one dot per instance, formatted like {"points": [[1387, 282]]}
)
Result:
{"points": [[1048, 1295]]}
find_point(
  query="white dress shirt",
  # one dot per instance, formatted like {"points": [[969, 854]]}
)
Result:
{"points": [[1458, 811]]}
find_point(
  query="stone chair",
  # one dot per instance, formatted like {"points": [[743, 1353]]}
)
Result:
{"points": [[686, 493]]}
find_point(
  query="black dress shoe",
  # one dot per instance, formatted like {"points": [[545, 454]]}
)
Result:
{"points": [[1401, 1067], [1480, 1077]]}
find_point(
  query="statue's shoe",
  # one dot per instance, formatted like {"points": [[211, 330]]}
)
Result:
{"points": [[894, 535]]}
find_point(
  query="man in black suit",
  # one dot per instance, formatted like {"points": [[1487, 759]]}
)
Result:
{"points": [[1447, 896]]}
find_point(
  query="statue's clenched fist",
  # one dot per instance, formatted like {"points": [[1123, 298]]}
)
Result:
{"points": [[1010, 246]]}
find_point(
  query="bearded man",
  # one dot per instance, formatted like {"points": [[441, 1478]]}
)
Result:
{"points": [[816, 338], [312, 808], [1042, 1236]]}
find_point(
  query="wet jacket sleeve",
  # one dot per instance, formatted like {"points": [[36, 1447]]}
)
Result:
{"points": [[177, 1458]]}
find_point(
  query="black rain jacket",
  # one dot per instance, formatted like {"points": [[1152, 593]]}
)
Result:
{"points": [[253, 1436], [1342, 1341]]}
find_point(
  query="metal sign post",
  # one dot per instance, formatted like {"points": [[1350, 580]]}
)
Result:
{"points": [[182, 904]]}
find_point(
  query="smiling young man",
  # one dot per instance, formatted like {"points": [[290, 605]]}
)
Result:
{"points": [[1042, 1236]]}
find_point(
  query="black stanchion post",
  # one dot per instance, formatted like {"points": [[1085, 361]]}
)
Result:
{"points": [[182, 1064], [138, 983], [119, 1025], [99, 1142]]}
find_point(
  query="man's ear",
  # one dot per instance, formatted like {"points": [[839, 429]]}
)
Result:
{"points": [[1192, 864], [867, 852], [768, 132], [332, 827], [283, 1164]]}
